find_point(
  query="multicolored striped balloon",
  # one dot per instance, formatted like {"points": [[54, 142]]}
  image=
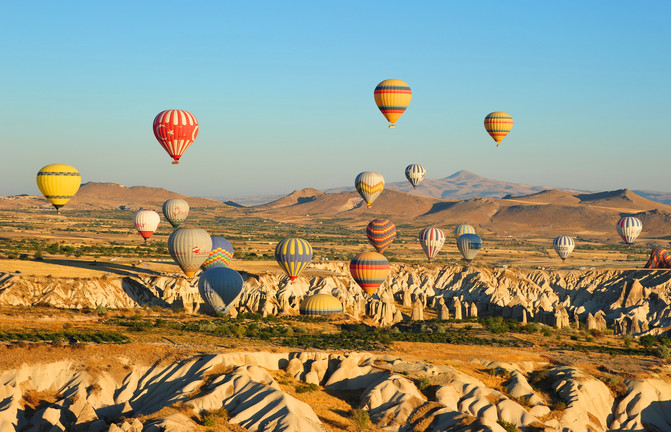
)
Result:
{"points": [[189, 247], [629, 228], [392, 97], [431, 239], [175, 211], [369, 270], [659, 258], [293, 255], [463, 229], [469, 245], [220, 255], [146, 222], [381, 233], [219, 287], [175, 130], [58, 183], [320, 304], [498, 124], [563, 245], [370, 185], [415, 174]]}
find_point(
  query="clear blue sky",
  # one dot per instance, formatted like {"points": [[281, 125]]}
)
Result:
{"points": [[283, 91]]}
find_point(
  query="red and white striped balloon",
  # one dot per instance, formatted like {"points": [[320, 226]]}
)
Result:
{"points": [[175, 130], [432, 240]]}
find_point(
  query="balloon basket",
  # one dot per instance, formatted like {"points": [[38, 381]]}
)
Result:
{"points": [[392, 126], [175, 162]]}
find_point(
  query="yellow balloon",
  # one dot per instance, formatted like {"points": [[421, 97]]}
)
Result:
{"points": [[392, 97], [58, 183]]}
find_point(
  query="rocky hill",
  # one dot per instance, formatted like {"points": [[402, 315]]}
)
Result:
{"points": [[634, 302]]}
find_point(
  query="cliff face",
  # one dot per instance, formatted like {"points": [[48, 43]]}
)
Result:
{"points": [[635, 301]]}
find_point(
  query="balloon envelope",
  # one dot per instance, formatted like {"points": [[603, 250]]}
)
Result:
{"points": [[659, 258], [370, 185], [369, 270], [563, 245], [293, 255], [320, 304], [498, 124], [58, 183], [629, 228], [219, 287], [221, 253], [175, 130], [463, 229], [469, 245], [381, 233], [415, 174], [146, 222], [175, 211], [189, 247], [431, 239], [392, 97]]}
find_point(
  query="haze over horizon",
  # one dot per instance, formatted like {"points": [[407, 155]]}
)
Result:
{"points": [[283, 93]]}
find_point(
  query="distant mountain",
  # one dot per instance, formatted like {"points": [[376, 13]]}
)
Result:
{"points": [[660, 197], [462, 185], [547, 213], [94, 195]]}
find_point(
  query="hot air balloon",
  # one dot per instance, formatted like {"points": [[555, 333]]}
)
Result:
{"points": [[146, 222], [175, 211], [629, 228], [219, 287], [369, 270], [381, 233], [415, 174], [58, 183], [189, 247], [563, 245], [175, 130], [659, 258], [498, 124], [220, 255], [463, 229], [432, 240], [370, 185], [469, 245], [320, 304], [392, 97], [293, 255]]}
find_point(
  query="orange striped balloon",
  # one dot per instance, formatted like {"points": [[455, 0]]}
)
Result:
{"points": [[175, 130], [369, 270], [498, 124], [392, 97]]}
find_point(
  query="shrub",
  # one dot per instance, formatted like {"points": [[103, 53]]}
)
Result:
{"points": [[101, 310], [305, 388], [423, 383], [663, 352], [360, 418], [508, 426], [208, 420]]}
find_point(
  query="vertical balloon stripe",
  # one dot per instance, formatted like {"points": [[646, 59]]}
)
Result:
{"points": [[629, 228], [469, 245], [563, 245], [175, 130], [432, 240], [293, 255]]}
